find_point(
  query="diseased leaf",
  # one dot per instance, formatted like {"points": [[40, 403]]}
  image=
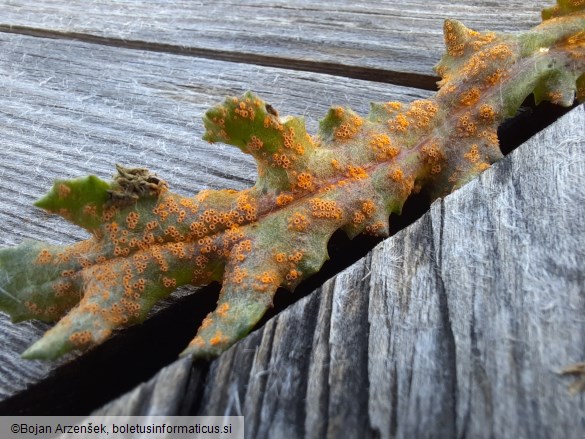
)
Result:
{"points": [[147, 241]]}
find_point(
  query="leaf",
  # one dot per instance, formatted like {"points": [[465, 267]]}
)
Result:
{"points": [[147, 241]]}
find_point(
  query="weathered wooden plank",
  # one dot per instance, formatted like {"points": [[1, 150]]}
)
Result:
{"points": [[69, 109], [369, 39], [471, 313]]}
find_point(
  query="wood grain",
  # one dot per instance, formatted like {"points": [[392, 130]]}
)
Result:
{"points": [[457, 326], [398, 41], [70, 109]]}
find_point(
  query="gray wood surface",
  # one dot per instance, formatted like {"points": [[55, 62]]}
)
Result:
{"points": [[70, 109], [457, 326], [378, 40]]}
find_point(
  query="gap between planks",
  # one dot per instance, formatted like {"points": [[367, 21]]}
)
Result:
{"points": [[406, 79]]}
